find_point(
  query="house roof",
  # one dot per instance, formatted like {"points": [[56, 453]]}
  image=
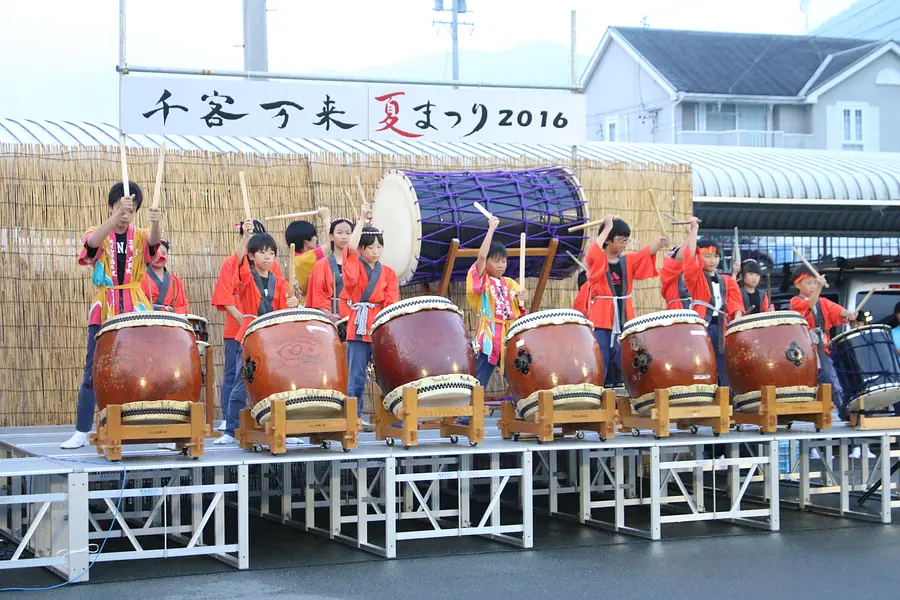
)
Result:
{"points": [[708, 62], [730, 184]]}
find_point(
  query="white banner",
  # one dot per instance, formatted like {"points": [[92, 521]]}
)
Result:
{"points": [[239, 107]]}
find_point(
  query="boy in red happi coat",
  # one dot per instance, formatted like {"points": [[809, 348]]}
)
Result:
{"points": [[165, 291]]}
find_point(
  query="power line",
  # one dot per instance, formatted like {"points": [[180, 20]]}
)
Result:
{"points": [[895, 19]]}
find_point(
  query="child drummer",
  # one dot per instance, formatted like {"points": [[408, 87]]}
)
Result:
{"points": [[369, 287], [327, 279], [611, 277], [165, 291], [226, 299], [118, 253], [497, 300], [307, 251], [671, 277], [261, 292], [715, 296], [822, 315], [755, 299]]}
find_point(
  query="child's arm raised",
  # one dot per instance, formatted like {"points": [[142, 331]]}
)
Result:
{"points": [[607, 228], [241, 249], [364, 213], [124, 205], [155, 216], [324, 226], [481, 261]]}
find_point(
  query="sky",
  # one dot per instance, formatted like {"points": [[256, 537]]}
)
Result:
{"points": [[58, 57]]}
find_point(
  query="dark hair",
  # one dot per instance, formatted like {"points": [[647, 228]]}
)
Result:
{"points": [[801, 271], [257, 228], [708, 243], [298, 233], [619, 227], [582, 279], [750, 266], [260, 242], [863, 317], [117, 192], [369, 236], [897, 308], [334, 225], [164, 244], [496, 250]]}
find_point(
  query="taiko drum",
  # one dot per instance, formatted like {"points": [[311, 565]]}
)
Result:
{"points": [[668, 350], [422, 342], [148, 360], [770, 349]]}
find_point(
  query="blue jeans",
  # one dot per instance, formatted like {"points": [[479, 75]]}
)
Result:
{"points": [[84, 413], [483, 369], [715, 335], [612, 356], [827, 374], [359, 355], [232, 358], [237, 399]]}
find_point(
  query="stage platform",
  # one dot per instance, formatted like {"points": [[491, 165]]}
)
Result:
{"points": [[57, 507]]}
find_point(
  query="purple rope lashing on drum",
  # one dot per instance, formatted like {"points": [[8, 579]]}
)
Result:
{"points": [[542, 197]]}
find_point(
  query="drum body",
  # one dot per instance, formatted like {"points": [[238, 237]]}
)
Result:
{"points": [[555, 351], [294, 355], [201, 332], [867, 366], [770, 349], [668, 350], [422, 343], [149, 363], [422, 213]]}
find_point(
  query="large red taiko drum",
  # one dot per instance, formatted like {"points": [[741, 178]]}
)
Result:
{"points": [[770, 349], [668, 350], [147, 362], [555, 351], [422, 343], [294, 355]]}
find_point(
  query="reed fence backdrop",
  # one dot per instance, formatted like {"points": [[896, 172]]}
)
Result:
{"points": [[49, 196]]}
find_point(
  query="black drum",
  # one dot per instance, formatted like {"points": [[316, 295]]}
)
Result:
{"points": [[867, 366]]}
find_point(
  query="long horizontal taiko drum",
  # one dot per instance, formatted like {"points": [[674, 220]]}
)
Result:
{"points": [[294, 355], [422, 343], [422, 213], [555, 351], [867, 365], [147, 362], [770, 349], [668, 350]]}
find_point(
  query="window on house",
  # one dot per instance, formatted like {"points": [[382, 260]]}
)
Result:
{"points": [[612, 126], [721, 116], [852, 135]]}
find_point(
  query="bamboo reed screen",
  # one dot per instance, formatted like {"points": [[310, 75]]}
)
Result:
{"points": [[50, 196]]}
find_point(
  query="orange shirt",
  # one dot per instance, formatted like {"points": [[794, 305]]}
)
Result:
{"points": [[250, 296], [321, 289], [581, 299], [639, 265], [697, 286], [225, 293], [831, 315], [386, 292], [668, 281], [176, 298]]}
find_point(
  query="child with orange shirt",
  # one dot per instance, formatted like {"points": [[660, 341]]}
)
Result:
{"points": [[165, 291], [369, 287], [327, 279], [671, 276]]}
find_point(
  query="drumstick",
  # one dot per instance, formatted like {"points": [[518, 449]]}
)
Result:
{"points": [[306, 213], [124, 165], [662, 222], [586, 225], [291, 273], [483, 210], [244, 196], [864, 300], [361, 192], [160, 168], [522, 261], [806, 262], [580, 264]]}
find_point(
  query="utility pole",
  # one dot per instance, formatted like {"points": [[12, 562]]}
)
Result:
{"points": [[256, 43], [457, 7]]}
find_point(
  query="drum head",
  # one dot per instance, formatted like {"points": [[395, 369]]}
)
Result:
{"points": [[396, 212], [545, 317], [660, 319], [197, 318], [413, 305], [290, 315], [867, 330], [766, 319], [145, 319]]}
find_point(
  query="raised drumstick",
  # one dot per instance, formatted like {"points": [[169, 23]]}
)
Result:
{"points": [[160, 168], [522, 261], [806, 262], [864, 300], [659, 216], [291, 273], [124, 160], [482, 210], [580, 264], [362, 193], [586, 225], [306, 213], [245, 197]]}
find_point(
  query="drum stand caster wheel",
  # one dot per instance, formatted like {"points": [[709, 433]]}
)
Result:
{"points": [[818, 429], [515, 437], [716, 433], [789, 425], [540, 441], [579, 435], [405, 447], [389, 441], [694, 430], [326, 445], [473, 444], [345, 449], [257, 448], [657, 437], [454, 439], [602, 439], [739, 428], [185, 452], [635, 431]]}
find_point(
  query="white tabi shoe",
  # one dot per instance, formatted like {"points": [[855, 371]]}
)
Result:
{"points": [[291, 441], [221, 426], [170, 446], [78, 439], [225, 440]]}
